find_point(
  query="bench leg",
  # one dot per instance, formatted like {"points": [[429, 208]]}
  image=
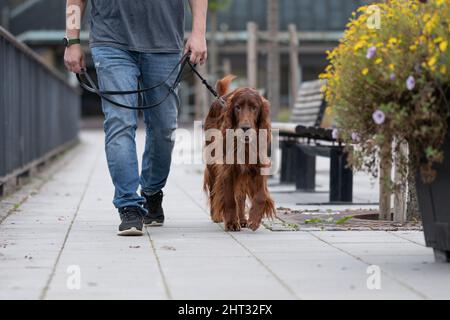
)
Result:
{"points": [[341, 177], [305, 170], [441, 255], [287, 162], [284, 159]]}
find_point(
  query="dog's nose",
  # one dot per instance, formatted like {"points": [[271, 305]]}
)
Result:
{"points": [[245, 127]]}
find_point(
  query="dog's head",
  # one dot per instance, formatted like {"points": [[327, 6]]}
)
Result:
{"points": [[245, 108]]}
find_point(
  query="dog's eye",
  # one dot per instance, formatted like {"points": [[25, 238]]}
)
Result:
{"points": [[237, 108], [254, 109]]}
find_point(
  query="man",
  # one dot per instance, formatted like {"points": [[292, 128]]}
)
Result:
{"points": [[137, 42]]}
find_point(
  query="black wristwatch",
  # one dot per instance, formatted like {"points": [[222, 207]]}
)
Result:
{"points": [[68, 42]]}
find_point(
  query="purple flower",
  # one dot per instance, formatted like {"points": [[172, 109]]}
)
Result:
{"points": [[356, 137], [335, 134], [392, 76], [371, 52], [378, 117], [410, 83]]}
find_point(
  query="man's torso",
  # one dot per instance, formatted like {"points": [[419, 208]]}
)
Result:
{"points": [[138, 25]]}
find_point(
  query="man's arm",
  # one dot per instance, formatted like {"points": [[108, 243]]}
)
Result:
{"points": [[74, 56], [197, 41]]}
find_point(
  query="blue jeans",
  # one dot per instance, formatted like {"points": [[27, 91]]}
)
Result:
{"points": [[123, 70]]}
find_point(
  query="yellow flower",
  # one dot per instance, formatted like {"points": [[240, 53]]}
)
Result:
{"points": [[443, 69], [443, 46], [365, 71], [359, 45], [413, 47], [393, 41], [431, 24], [378, 61], [432, 61], [391, 67], [421, 39]]}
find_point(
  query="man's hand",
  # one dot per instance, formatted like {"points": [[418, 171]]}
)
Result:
{"points": [[196, 44], [74, 58]]}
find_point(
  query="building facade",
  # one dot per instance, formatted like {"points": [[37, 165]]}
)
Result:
{"points": [[40, 24]]}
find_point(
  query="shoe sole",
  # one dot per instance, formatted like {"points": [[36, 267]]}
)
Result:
{"points": [[131, 232], [154, 224]]}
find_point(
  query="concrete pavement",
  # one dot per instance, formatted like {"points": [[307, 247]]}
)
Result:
{"points": [[60, 243]]}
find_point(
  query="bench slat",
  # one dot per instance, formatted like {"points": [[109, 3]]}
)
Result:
{"points": [[309, 98], [304, 117], [307, 113], [307, 104], [307, 109], [312, 84]]}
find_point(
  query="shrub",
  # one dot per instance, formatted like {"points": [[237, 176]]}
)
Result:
{"points": [[391, 84]]}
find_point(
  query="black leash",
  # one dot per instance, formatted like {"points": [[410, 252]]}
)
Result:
{"points": [[185, 60]]}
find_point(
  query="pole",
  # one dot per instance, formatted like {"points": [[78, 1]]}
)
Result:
{"points": [[273, 77], [294, 63], [252, 55], [400, 190], [385, 180]]}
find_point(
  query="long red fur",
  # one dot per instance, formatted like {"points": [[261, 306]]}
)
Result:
{"points": [[229, 185]]}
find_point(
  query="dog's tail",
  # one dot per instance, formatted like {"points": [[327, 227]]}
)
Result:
{"points": [[223, 85]]}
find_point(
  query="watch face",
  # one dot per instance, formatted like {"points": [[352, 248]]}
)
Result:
{"points": [[65, 42]]}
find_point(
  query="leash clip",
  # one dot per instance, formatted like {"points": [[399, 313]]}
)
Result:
{"points": [[222, 102]]}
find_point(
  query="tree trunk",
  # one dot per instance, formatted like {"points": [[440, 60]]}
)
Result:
{"points": [[202, 101], [273, 78], [412, 206], [252, 55], [213, 46], [400, 195], [385, 180], [294, 64]]}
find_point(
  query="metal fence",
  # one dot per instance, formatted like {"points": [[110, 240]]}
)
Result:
{"points": [[39, 110]]}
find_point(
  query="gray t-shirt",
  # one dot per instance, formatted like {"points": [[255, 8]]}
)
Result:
{"points": [[138, 25]]}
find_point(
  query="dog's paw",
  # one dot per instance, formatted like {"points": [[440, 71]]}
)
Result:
{"points": [[216, 218], [244, 223], [253, 225], [232, 226]]}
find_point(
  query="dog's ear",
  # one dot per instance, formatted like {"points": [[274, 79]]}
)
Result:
{"points": [[264, 124], [228, 115], [264, 118]]}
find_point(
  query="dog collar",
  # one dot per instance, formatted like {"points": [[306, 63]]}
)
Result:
{"points": [[222, 102]]}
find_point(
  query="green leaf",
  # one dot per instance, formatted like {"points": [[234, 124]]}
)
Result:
{"points": [[343, 220], [313, 220], [430, 152]]}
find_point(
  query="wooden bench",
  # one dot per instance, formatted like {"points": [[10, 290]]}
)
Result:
{"points": [[309, 134]]}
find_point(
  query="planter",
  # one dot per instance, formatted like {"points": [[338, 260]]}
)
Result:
{"points": [[434, 206]]}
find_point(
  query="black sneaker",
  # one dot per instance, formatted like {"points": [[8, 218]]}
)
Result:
{"points": [[153, 204], [132, 221]]}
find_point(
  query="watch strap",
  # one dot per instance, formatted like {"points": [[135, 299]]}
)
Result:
{"points": [[70, 42], [73, 41]]}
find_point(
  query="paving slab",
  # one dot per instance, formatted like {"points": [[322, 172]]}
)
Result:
{"points": [[60, 243]]}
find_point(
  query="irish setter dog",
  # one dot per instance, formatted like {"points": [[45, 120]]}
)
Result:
{"points": [[230, 185]]}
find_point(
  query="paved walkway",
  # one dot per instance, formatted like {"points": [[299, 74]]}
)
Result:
{"points": [[65, 232]]}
